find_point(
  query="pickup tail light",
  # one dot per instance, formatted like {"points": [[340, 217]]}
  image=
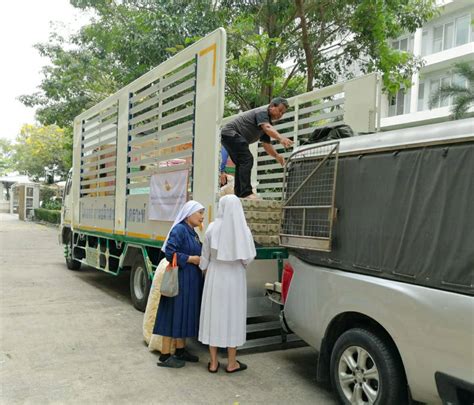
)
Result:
{"points": [[286, 280]]}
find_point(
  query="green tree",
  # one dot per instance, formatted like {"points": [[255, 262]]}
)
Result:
{"points": [[5, 156], [123, 41], [323, 39], [463, 95], [334, 35], [42, 151], [75, 80]]}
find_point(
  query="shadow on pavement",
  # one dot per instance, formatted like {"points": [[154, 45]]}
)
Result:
{"points": [[305, 365], [115, 286]]}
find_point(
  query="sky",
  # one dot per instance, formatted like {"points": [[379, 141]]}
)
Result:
{"points": [[24, 23]]}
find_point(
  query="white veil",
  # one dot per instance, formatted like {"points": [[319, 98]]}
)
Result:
{"points": [[231, 236], [187, 210]]}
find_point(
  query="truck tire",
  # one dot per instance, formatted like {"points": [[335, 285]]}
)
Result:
{"points": [[140, 284], [365, 369], [70, 262]]}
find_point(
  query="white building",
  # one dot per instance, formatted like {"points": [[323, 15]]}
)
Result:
{"points": [[443, 41], [6, 183]]}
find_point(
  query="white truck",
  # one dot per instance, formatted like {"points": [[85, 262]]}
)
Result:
{"points": [[163, 128], [141, 153]]}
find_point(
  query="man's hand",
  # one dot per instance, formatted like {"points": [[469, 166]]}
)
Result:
{"points": [[223, 179], [285, 142], [280, 159], [273, 133]]}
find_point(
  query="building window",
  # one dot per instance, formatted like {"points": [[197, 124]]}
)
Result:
{"points": [[421, 96], [463, 25], [435, 85], [449, 35], [399, 103], [460, 81], [404, 44], [424, 43], [438, 39], [429, 86], [444, 102]]}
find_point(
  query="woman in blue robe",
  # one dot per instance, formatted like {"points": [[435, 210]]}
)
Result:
{"points": [[178, 317]]}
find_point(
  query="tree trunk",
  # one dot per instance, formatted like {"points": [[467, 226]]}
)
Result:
{"points": [[266, 88], [306, 44]]}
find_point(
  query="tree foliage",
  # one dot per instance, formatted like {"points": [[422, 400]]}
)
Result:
{"points": [[42, 151], [5, 156], [123, 41], [75, 80], [321, 40], [463, 96]]}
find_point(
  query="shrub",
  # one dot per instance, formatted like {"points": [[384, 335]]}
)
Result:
{"points": [[46, 193], [52, 216], [52, 205]]}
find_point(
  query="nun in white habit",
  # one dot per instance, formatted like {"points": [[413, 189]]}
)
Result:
{"points": [[227, 249]]}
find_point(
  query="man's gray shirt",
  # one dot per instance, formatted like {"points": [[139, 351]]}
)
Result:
{"points": [[248, 126]]}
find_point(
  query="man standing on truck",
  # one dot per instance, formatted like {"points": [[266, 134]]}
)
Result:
{"points": [[247, 128]]}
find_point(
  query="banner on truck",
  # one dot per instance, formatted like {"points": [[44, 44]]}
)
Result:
{"points": [[168, 192]]}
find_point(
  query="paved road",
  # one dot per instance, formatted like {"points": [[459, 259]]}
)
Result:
{"points": [[73, 337]]}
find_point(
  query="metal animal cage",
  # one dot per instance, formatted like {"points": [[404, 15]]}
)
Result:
{"points": [[309, 186]]}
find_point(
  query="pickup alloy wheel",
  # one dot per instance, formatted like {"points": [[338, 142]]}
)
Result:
{"points": [[358, 375], [364, 370]]}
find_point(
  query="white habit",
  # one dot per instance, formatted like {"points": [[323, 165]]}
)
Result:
{"points": [[227, 249]]}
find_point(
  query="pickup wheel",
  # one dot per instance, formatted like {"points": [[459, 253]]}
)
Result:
{"points": [[140, 284], [70, 262], [365, 370]]}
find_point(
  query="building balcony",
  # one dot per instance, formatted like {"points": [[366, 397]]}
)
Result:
{"points": [[451, 6], [419, 118], [445, 59]]}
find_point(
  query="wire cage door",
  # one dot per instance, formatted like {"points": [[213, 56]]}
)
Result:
{"points": [[308, 197]]}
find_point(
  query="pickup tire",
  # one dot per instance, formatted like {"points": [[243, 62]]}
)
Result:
{"points": [[70, 262], [365, 369], [140, 284]]}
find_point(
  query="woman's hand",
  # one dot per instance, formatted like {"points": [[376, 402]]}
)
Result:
{"points": [[194, 260]]}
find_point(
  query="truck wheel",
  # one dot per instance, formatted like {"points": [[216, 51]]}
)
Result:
{"points": [[140, 284], [70, 262], [365, 370]]}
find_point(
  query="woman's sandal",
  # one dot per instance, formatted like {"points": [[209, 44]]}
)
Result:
{"points": [[213, 371], [242, 367]]}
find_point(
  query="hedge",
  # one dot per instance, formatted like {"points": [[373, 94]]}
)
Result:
{"points": [[52, 216]]}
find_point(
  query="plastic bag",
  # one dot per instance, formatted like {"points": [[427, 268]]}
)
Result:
{"points": [[170, 284], [327, 133]]}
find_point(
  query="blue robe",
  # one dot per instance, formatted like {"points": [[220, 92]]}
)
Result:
{"points": [[178, 317]]}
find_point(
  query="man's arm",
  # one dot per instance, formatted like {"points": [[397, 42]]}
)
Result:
{"points": [[272, 152], [270, 130]]}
